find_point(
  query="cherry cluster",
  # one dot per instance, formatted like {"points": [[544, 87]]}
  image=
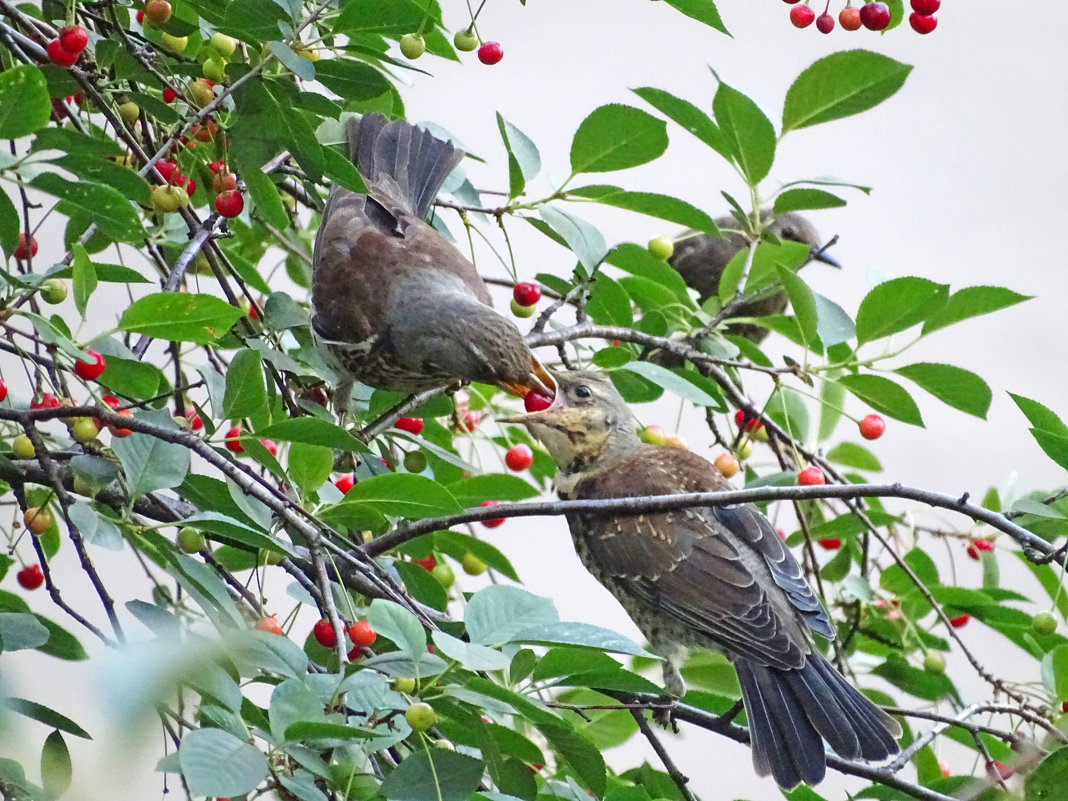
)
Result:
{"points": [[871, 14]]}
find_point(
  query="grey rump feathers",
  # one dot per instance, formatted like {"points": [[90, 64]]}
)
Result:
{"points": [[403, 165]]}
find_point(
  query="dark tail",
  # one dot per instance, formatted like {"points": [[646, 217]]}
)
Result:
{"points": [[401, 164], [791, 713]]}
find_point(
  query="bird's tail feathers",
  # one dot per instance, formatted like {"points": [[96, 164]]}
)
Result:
{"points": [[791, 713], [402, 164]]}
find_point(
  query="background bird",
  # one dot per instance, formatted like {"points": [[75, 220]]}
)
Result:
{"points": [[717, 577], [700, 259], [396, 305]]}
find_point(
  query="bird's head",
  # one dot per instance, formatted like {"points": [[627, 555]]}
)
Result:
{"points": [[587, 422], [795, 228]]}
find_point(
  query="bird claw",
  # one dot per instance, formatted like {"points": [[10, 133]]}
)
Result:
{"points": [[664, 713]]}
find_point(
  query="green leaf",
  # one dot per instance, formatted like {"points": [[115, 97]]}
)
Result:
{"points": [[898, 304], [1055, 446], [615, 137], [350, 79], [43, 714], [103, 171], [457, 545], [264, 194], [884, 396], [954, 386], [474, 490], [832, 396], [309, 466], [180, 317], [403, 495], [580, 754], [216, 763], [94, 527], [497, 613], [688, 116], [852, 455], [1041, 417], [701, 10], [246, 392], [1049, 779], [433, 775], [748, 130], [150, 463], [312, 431], [298, 65], [56, 770], [24, 101], [585, 241], [804, 199], [471, 655], [20, 631], [663, 207], [840, 85], [524, 161], [672, 382], [108, 208], [131, 378], [1055, 671], [9, 225], [609, 303], [834, 325], [804, 305], [972, 301], [396, 623], [580, 634], [84, 278]]}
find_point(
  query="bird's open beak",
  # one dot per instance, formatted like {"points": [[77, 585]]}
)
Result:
{"points": [[539, 381], [821, 254]]}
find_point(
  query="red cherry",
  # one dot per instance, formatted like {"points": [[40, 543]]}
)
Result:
{"points": [[230, 203], [519, 457], [195, 422], [959, 620], [922, 23], [427, 562], [22, 253], [354, 653], [875, 16], [849, 18], [526, 293], [217, 167], [167, 169], [1064, 707], [811, 476], [781, 533], [60, 55], [345, 482], [791, 2], [362, 634], [116, 431], [324, 633], [268, 624], [493, 522], [184, 180], [90, 371], [999, 771], [140, 17], [872, 426], [30, 577], [926, 7], [974, 548], [110, 400], [490, 53], [46, 401], [536, 402], [802, 16], [233, 443], [73, 38], [3, 391], [270, 446], [830, 543], [825, 23], [469, 422], [169, 96], [413, 425]]}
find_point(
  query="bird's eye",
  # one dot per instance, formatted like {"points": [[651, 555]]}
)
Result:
{"points": [[788, 233], [583, 391]]}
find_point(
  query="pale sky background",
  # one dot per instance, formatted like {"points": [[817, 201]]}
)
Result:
{"points": [[968, 170]]}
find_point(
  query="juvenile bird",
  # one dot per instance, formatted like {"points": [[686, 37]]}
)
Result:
{"points": [[700, 260], [395, 304], [717, 577]]}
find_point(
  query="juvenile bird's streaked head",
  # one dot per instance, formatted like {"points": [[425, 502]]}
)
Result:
{"points": [[587, 423]]}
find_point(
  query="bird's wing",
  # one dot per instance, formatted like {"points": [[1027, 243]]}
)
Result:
{"points": [[724, 574]]}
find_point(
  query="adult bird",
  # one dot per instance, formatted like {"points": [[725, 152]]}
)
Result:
{"points": [[700, 259], [717, 577], [396, 305]]}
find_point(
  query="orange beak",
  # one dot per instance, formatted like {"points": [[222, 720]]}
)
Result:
{"points": [[539, 381]]}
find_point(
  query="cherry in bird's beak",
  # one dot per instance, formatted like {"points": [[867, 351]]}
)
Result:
{"points": [[539, 381]]}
